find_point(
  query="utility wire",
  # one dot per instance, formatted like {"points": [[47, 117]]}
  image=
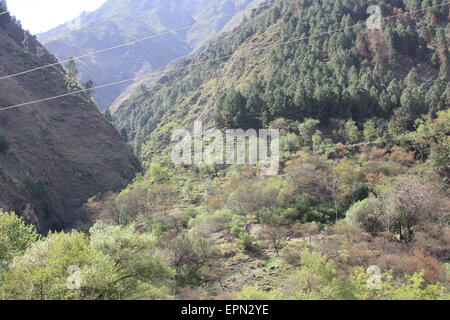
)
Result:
{"points": [[212, 60]]}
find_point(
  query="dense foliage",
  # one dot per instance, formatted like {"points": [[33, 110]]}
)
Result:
{"points": [[276, 65], [203, 231]]}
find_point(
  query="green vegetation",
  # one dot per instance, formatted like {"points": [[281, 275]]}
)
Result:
{"points": [[246, 236], [355, 75], [114, 262], [15, 236], [364, 118]]}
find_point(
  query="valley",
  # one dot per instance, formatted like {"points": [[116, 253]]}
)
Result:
{"points": [[121, 21], [55, 155], [359, 208]]}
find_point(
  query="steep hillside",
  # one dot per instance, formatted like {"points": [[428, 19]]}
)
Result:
{"points": [[263, 71], [121, 21], [364, 166], [53, 155], [359, 209]]}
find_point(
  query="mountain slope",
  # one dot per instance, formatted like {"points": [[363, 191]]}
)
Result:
{"points": [[53, 155], [121, 21], [356, 73]]}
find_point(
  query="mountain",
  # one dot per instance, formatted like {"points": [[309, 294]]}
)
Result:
{"points": [[122, 21], [358, 210], [54, 155], [289, 62]]}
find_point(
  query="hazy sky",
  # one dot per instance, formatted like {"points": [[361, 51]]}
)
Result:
{"points": [[42, 15]]}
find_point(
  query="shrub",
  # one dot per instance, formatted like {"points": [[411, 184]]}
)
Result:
{"points": [[315, 279], [402, 156], [366, 214], [255, 293], [291, 253], [15, 236], [290, 142], [158, 173]]}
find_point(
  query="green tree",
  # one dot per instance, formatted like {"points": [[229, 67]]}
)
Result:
{"points": [[367, 214], [307, 129], [255, 293], [370, 131], [231, 111], [42, 272], [15, 236], [290, 142], [408, 287], [316, 140], [137, 267], [71, 67], [414, 289], [352, 132], [253, 200], [315, 279]]}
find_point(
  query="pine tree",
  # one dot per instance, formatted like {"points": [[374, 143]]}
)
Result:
{"points": [[370, 131]]}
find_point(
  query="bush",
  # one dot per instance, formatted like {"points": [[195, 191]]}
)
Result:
{"points": [[206, 223], [15, 236], [290, 142], [255, 293], [291, 253], [158, 173], [366, 214], [114, 262], [408, 264], [246, 240]]}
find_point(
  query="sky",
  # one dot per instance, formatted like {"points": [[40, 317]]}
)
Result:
{"points": [[42, 15]]}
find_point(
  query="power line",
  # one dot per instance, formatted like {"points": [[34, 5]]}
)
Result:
{"points": [[211, 60], [131, 43], [108, 84]]}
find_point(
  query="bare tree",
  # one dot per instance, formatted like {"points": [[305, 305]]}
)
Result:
{"points": [[409, 202], [253, 199], [275, 233], [333, 187]]}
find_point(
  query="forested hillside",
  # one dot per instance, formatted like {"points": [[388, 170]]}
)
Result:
{"points": [[122, 21], [54, 155], [354, 74]]}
